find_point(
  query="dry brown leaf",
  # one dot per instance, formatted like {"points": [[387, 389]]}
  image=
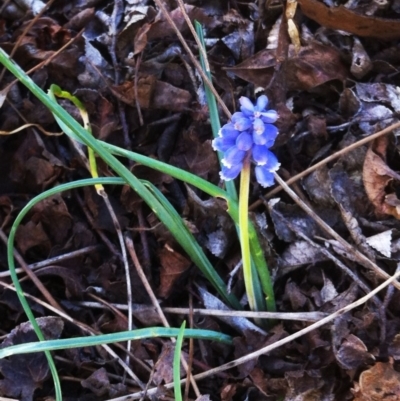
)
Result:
{"points": [[381, 382], [341, 18], [173, 265], [163, 369], [161, 27], [153, 94], [353, 353], [31, 235], [312, 66], [377, 175]]}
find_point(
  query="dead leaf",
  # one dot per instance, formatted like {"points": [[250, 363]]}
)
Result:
{"points": [[312, 66], [328, 291], [161, 28], [163, 94], [353, 353], [140, 40], [257, 69], [163, 369], [381, 242], [377, 176], [173, 265], [97, 382], [380, 93], [297, 299], [343, 19], [380, 383], [394, 348], [31, 235], [300, 253], [153, 94], [23, 374], [145, 89], [72, 280], [304, 386], [361, 64]]}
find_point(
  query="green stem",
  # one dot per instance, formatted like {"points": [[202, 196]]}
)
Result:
{"points": [[244, 232]]}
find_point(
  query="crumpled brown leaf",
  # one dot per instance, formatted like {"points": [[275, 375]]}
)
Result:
{"points": [[380, 383], [377, 176], [312, 66], [173, 265], [153, 94]]}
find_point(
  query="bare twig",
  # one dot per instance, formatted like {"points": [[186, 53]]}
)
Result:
{"points": [[55, 260], [297, 316], [126, 266]]}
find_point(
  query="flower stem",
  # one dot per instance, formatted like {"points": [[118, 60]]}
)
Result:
{"points": [[244, 232]]}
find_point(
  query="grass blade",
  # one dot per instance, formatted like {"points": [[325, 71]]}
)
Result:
{"points": [[177, 363], [140, 334]]}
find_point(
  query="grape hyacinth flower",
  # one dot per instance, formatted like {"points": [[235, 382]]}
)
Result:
{"points": [[248, 137]]}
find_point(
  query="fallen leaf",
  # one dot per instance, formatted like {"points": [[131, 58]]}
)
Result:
{"points": [[173, 265], [23, 374], [97, 382], [381, 242], [163, 369], [380, 383], [153, 94], [72, 280], [241, 324], [31, 235], [343, 19], [162, 28], [377, 176], [300, 253], [312, 66], [353, 353]]}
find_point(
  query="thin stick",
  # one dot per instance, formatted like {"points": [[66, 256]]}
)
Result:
{"points": [[126, 267], [297, 316], [55, 260], [196, 38]]}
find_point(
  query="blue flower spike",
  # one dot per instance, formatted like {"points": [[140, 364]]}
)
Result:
{"points": [[248, 137]]}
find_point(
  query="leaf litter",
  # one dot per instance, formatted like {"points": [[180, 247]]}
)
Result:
{"points": [[332, 83]]}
